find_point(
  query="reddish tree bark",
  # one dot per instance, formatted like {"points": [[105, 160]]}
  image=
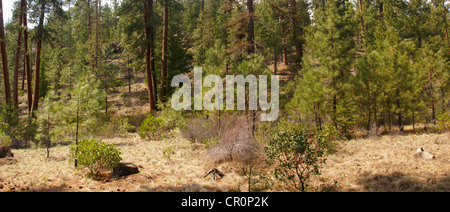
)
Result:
{"points": [[149, 36], [362, 21], [250, 27], [164, 51], [4, 58], [298, 43], [27, 58], [17, 58], [38, 57], [445, 22]]}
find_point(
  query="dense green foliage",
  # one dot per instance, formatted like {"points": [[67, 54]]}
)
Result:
{"points": [[296, 157], [152, 127], [95, 155], [346, 66]]}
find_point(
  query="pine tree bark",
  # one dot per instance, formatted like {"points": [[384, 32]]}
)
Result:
{"points": [[164, 51], [250, 27], [27, 59], [298, 43], [17, 59], [149, 36], [38, 57], [445, 22], [4, 58], [97, 23], [362, 21]]}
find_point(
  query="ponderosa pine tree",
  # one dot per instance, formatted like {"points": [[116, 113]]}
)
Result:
{"points": [[149, 53], [4, 59], [164, 51], [324, 91]]}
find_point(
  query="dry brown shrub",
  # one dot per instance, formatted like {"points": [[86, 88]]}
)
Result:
{"points": [[236, 142], [198, 130], [229, 136]]}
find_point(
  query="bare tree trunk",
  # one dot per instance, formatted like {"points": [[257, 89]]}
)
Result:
{"points": [[27, 60], [76, 133], [445, 22], [275, 65], [49, 142], [298, 43], [380, 9], [400, 120], [23, 75], [362, 21], [129, 73], [203, 5], [250, 27], [148, 13], [389, 113], [97, 23], [4, 58], [38, 57], [164, 51], [16, 60]]}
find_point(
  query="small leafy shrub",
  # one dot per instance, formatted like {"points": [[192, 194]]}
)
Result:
{"points": [[118, 126], [171, 118], [95, 155], [152, 127], [168, 152], [330, 134], [5, 140], [443, 122], [295, 157]]}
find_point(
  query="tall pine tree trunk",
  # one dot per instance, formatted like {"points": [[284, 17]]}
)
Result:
{"points": [[27, 59], [38, 57], [251, 47], [362, 21], [4, 58], [399, 115], [445, 22], [250, 27], [275, 59], [298, 42], [97, 28], [164, 51], [17, 59], [148, 13]]}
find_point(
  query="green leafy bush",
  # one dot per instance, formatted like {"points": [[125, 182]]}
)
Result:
{"points": [[117, 126], [152, 127], [95, 155], [168, 152], [443, 122], [5, 140], [330, 134], [296, 158]]}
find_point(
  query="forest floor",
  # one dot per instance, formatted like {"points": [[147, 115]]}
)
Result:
{"points": [[384, 163]]}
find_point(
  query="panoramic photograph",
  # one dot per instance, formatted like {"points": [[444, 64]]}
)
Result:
{"points": [[267, 96]]}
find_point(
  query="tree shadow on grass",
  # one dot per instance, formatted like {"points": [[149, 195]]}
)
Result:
{"points": [[191, 187], [401, 182]]}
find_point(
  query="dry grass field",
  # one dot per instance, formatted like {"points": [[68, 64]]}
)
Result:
{"points": [[388, 164], [377, 164], [385, 163]]}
